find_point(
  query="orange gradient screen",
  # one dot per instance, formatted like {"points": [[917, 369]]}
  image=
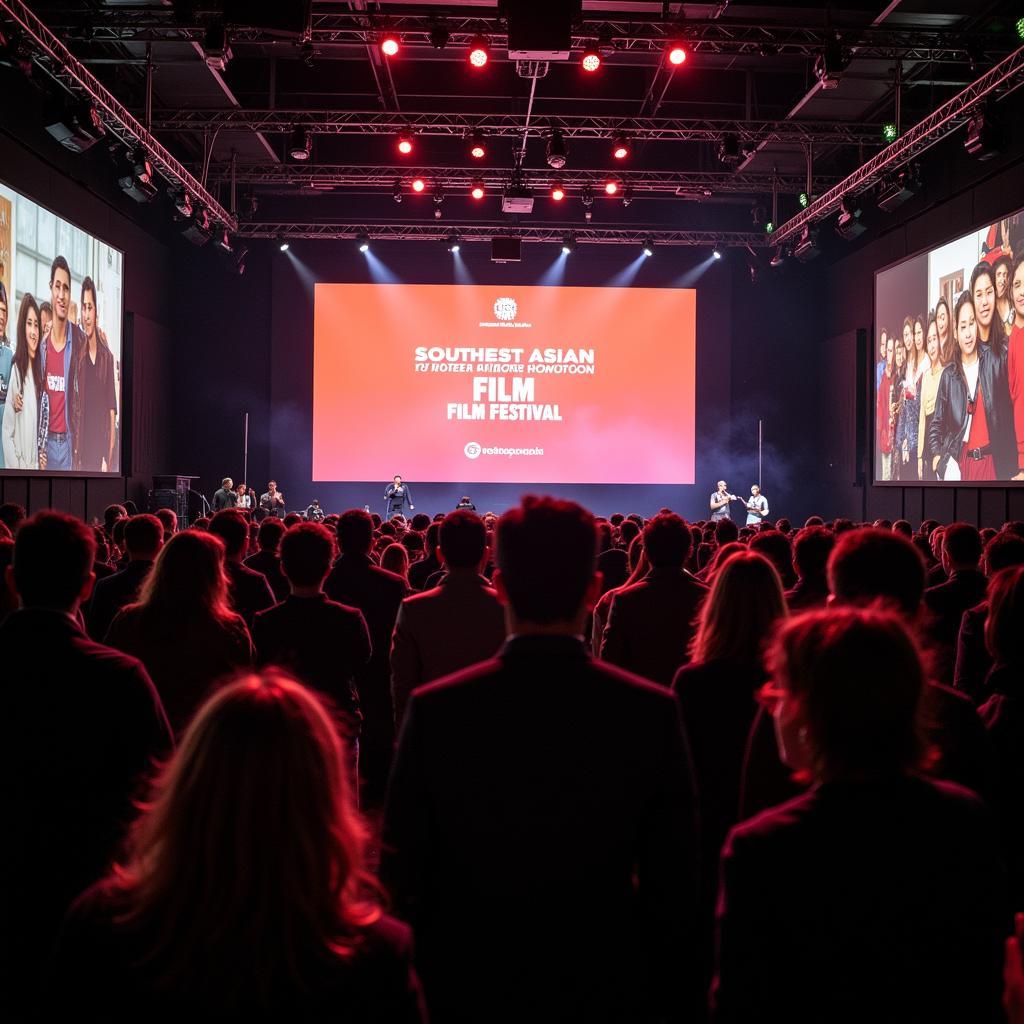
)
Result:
{"points": [[503, 384]]}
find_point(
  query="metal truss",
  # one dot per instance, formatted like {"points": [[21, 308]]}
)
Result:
{"points": [[689, 184], [1006, 76], [718, 36], [58, 61], [573, 126], [476, 232]]}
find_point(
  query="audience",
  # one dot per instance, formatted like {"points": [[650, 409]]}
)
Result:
{"points": [[395, 558], [169, 520], [543, 851], [457, 624], [267, 558], [248, 590], [143, 538], [182, 627], [811, 549], [651, 623], [243, 892], [421, 571], [878, 894], [81, 724]]}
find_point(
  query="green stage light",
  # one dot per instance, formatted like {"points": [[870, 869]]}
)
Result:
{"points": [[889, 132]]}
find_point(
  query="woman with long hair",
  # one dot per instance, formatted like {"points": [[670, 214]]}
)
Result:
{"points": [[917, 365], [182, 627], [972, 432], [942, 323], [1015, 358], [21, 427], [897, 396], [639, 567], [395, 558], [1003, 267], [877, 887], [243, 893], [929, 388], [991, 329], [883, 412]]}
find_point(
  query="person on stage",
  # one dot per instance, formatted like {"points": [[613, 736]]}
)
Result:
{"points": [[465, 503], [398, 496], [243, 497], [757, 506], [226, 496], [314, 513], [720, 500], [272, 502]]}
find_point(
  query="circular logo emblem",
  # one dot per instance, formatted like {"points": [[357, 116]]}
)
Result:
{"points": [[505, 308], [472, 450]]}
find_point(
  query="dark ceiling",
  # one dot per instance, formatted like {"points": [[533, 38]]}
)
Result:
{"points": [[749, 85]]}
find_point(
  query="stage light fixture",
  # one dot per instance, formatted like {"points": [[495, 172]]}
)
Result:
{"points": [[396, 190], [627, 196], [216, 47], [300, 144], [404, 143], [557, 192], [769, 227], [569, 244], [804, 200], [77, 126], [620, 147], [479, 51], [777, 260], [182, 203], [418, 184], [389, 43], [985, 137], [730, 152], [757, 214], [239, 261], [716, 253], [557, 152], [199, 230], [889, 132], [1020, 29], [438, 200], [591, 58], [897, 189], [848, 224], [223, 242], [439, 34], [611, 186], [453, 242], [676, 51], [807, 248], [477, 146], [363, 242], [830, 64], [136, 177], [282, 243], [648, 247], [478, 191]]}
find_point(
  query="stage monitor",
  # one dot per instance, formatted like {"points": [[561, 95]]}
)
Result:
{"points": [[60, 344], [503, 384], [947, 363]]}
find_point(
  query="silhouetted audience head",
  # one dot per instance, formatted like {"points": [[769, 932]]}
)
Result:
{"points": [[1002, 551], [783, 525], [667, 540], [546, 550], [961, 547], [111, 514], [877, 565], [307, 551], [420, 522], [616, 518], [903, 526], [846, 691], [168, 520], [1004, 626], [628, 529], [462, 540], [775, 546], [260, 780], [355, 532], [8, 594], [53, 559], [292, 519], [814, 521], [726, 531], [232, 528], [740, 612], [117, 532], [413, 543], [395, 558], [143, 537], [811, 551], [12, 516], [270, 534], [187, 578]]}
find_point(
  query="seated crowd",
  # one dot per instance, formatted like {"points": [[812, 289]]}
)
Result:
{"points": [[542, 767]]}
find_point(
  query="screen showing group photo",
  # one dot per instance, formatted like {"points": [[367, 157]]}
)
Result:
{"points": [[60, 343], [483, 383], [948, 362]]}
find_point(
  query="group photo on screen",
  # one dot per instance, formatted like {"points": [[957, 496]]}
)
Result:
{"points": [[949, 364], [60, 343]]}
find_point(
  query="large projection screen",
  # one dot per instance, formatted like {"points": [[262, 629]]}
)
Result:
{"points": [[60, 343], [947, 366], [477, 383]]}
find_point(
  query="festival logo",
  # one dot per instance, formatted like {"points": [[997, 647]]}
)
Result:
{"points": [[505, 308], [472, 450]]}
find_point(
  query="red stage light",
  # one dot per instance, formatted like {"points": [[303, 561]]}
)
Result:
{"points": [[477, 191], [478, 152], [479, 52], [418, 184], [620, 149], [405, 144], [611, 187], [557, 193], [676, 53], [591, 59], [389, 44]]}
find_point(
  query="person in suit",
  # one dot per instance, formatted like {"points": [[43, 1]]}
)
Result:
{"points": [[452, 626], [421, 571], [322, 643], [278, 919], [248, 590], [868, 567], [811, 549], [81, 726], [226, 497], [878, 894], [267, 560], [946, 602], [143, 538], [355, 581], [540, 831], [651, 624]]}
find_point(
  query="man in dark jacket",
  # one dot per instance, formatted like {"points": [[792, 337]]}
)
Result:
{"points": [[82, 725], [143, 538], [249, 591], [226, 497], [267, 560], [651, 623], [540, 832], [421, 571]]}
